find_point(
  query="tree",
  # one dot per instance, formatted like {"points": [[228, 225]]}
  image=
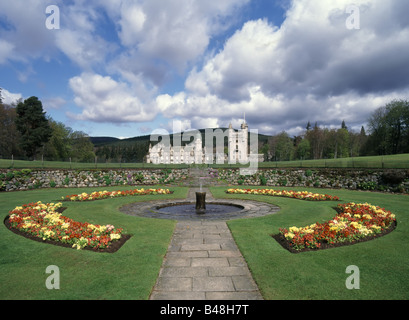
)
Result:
{"points": [[59, 147], [303, 149], [316, 139], [82, 147], [33, 126], [376, 144], [389, 129], [9, 135], [397, 126], [282, 147]]}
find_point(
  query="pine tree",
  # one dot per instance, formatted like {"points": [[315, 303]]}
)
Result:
{"points": [[33, 125]]}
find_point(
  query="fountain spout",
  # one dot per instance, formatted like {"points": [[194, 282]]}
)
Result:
{"points": [[200, 202]]}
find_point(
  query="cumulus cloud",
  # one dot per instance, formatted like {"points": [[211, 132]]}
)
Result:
{"points": [[6, 50], [163, 37], [107, 100], [9, 97], [311, 68], [23, 35]]}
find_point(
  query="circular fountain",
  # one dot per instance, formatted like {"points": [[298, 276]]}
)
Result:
{"points": [[222, 209], [197, 207]]}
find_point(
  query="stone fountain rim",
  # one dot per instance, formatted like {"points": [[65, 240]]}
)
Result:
{"points": [[178, 203], [251, 209]]}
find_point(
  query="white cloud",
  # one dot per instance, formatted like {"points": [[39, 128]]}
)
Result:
{"points": [[80, 39], [162, 37], [312, 68], [24, 29], [106, 100], [10, 98], [6, 50], [53, 103], [85, 49]]}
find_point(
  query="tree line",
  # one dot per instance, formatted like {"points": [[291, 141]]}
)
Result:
{"points": [[27, 132], [123, 152], [388, 133]]}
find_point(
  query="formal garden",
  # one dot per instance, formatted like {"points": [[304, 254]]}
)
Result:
{"points": [[299, 252]]}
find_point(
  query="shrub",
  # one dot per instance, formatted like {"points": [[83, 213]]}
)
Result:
{"points": [[138, 177], [283, 182], [371, 185], [26, 172], [9, 175], [263, 180], [393, 177]]}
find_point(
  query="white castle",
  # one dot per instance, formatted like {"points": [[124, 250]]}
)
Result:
{"points": [[194, 152]]}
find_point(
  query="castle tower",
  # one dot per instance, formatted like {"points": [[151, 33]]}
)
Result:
{"points": [[232, 145], [242, 143], [198, 149]]}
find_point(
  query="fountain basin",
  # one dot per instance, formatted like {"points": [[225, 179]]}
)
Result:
{"points": [[182, 210], [211, 209]]}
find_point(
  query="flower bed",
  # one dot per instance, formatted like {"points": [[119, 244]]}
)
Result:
{"points": [[98, 195], [302, 195], [44, 222], [352, 224]]}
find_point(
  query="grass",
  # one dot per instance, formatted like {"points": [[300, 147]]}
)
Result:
{"points": [[130, 273], [400, 161], [383, 263], [39, 164]]}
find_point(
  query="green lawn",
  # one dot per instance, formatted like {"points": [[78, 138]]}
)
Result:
{"points": [[131, 272], [400, 161], [38, 164], [383, 263]]}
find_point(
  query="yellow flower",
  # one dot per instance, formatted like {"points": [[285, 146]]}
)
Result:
{"points": [[294, 229], [114, 236], [289, 235]]}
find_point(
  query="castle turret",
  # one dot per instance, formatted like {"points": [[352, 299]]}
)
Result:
{"points": [[232, 145]]}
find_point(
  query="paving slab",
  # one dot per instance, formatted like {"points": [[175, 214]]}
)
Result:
{"points": [[204, 271], [203, 262]]}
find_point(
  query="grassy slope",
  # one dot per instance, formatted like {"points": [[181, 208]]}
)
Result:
{"points": [[383, 263], [390, 161], [130, 273]]}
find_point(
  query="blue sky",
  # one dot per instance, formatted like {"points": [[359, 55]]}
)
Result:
{"points": [[125, 68]]}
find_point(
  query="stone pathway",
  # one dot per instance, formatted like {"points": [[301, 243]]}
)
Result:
{"points": [[203, 262]]}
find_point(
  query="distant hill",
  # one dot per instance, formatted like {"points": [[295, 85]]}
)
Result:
{"points": [[111, 141], [99, 141]]}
